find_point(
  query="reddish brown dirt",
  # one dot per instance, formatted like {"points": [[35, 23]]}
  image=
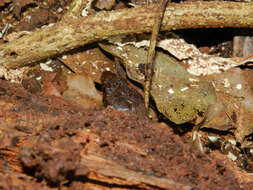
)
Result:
{"points": [[51, 140]]}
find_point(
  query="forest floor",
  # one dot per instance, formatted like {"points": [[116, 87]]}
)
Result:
{"points": [[66, 123]]}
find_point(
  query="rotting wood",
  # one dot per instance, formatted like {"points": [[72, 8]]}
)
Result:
{"points": [[60, 139], [74, 32], [110, 170]]}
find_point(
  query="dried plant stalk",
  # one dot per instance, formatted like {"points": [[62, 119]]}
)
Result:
{"points": [[75, 32], [149, 67]]}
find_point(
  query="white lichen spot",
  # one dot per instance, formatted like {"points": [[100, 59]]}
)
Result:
{"points": [[232, 141], [59, 10], [85, 11], [84, 62], [38, 78], [48, 26], [119, 48], [142, 43], [239, 86], [107, 68], [28, 17], [64, 57], [232, 156], [93, 73], [124, 55], [213, 139], [13, 75], [194, 85], [45, 67], [4, 30], [251, 151], [226, 83], [94, 66], [193, 80], [48, 61], [159, 86], [184, 89], [171, 91]]}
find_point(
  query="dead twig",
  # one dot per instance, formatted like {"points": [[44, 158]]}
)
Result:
{"points": [[75, 32], [151, 51]]}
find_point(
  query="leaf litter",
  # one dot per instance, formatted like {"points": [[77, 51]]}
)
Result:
{"points": [[201, 89]]}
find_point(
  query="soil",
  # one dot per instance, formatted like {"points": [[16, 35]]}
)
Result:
{"points": [[48, 141]]}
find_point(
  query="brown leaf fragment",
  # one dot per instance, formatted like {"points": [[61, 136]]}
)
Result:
{"points": [[32, 85], [90, 60], [105, 4], [36, 19], [235, 102], [81, 89], [18, 5], [119, 94]]}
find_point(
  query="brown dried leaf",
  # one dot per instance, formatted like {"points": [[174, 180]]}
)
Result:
{"points": [[180, 96], [3, 2], [197, 63], [91, 61], [119, 94], [81, 89], [19, 4], [235, 102]]}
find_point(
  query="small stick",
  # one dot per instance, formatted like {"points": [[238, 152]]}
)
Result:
{"points": [[149, 67]]}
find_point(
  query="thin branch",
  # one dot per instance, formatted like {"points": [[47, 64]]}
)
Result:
{"points": [[151, 51], [73, 32]]}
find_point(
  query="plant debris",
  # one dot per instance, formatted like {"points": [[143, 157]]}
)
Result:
{"points": [[119, 94], [74, 119]]}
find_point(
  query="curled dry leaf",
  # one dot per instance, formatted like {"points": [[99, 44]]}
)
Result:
{"points": [[197, 63]]}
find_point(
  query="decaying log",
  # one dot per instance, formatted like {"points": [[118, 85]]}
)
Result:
{"points": [[109, 170], [51, 139], [74, 32]]}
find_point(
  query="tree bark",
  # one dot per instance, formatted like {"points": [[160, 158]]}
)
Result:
{"points": [[75, 32]]}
